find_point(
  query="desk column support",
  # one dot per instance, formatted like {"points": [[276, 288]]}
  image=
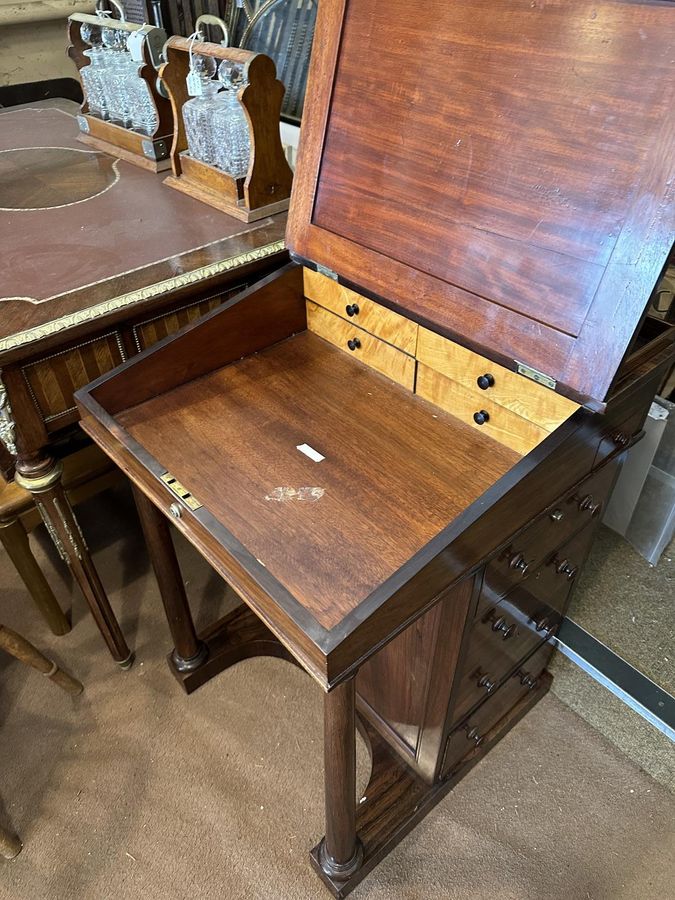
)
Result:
{"points": [[340, 852], [42, 477], [189, 652]]}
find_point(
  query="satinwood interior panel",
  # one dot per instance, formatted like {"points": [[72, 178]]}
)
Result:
{"points": [[396, 470]]}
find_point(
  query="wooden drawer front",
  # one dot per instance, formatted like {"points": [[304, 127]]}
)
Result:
{"points": [[501, 424], [572, 512], [475, 729], [150, 331], [525, 398], [368, 349], [53, 380], [501, 637], [367, 314]]}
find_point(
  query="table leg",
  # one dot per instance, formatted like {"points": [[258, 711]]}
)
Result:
{"points": [[43, 479], [10, 845], [340, 852], [14, 539], [189, 652]]}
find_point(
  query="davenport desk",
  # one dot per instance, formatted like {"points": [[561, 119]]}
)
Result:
{"points": [[396, 449], [99, 260]]}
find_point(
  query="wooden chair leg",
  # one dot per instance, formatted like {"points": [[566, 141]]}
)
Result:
{"points": [[15, 541], [23, 650], [10, 845]]}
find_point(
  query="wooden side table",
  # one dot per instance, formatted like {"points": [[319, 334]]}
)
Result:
{"points": [[102, 262]]}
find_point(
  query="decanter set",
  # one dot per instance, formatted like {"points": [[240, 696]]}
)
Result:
{"points": [[216, 127], [112, 83]]}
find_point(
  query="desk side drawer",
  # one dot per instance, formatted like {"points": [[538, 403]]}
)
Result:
{"points": [[360, 311], [498, 422], [468, 736], [363, 346]]}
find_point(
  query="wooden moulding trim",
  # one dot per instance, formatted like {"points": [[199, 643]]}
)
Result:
{"points": [[178, 282]]}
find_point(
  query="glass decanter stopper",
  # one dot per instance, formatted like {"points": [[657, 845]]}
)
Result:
{"points": [[230, 125], [92, 75], [199, 110]]}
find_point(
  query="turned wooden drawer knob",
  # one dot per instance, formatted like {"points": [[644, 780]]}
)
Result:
{"points": [[518, 563], [353, 343], [485, 381], [485, 681], [527, 680], [546, 626], [473, 735], [352, 309], [480, 418], [588, 504], [501, 626], [565, 567]]}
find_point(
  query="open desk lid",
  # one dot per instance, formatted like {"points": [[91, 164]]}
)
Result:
{"points": [[499, 170]]}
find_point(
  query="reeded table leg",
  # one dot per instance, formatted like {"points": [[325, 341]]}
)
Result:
{"points": [[15, 541], [43, 480], [189, 652], [340, 852]]}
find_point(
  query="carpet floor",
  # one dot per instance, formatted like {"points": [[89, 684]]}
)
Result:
{"points": [[133, 790]]}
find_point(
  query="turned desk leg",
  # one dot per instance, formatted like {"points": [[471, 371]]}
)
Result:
{"points": [[189, 652], [340, 852], [14, 539], [43, 480], [21, 649]]}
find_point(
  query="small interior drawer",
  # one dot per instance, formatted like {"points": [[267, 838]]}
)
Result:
{"points": [[473, 406], [470, 734], [491, 383], [572, 512], [367, 314], [375, 353]]}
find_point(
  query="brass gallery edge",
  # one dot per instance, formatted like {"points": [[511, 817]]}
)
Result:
{"points": [[170, 284]]}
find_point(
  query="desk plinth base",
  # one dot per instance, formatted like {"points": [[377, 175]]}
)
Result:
{"points": [[396, 798], [238, 635]]}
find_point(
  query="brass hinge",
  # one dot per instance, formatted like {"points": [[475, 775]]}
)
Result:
{"points": [[324, 270], [535, 375], [177, 488]]}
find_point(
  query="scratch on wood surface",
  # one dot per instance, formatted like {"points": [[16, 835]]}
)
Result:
{"points": [[284, 494]]}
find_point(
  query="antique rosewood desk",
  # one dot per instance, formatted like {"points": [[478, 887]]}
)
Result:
{"points": [[397, 452], [99, 260]]}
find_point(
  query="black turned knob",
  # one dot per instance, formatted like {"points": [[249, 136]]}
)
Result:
{"points": [[473, 735], [588, 504], [354, 343], [352, 309], [485, 681], [480, 418], [500, 625], [527, 680], [546, 625], [518, 562], [565, 567], [485, 381]]}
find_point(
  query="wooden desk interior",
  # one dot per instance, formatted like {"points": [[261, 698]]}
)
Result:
{"points": [[397, 469]]}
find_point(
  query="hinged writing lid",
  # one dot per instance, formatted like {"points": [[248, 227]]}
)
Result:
{"points": [[499, 170]]}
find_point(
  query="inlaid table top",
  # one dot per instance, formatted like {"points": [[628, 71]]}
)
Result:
{"points": [[84, 235]]}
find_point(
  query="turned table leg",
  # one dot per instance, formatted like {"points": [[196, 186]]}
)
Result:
{"points": [[189, 652], [10, 845], [21, 649], [14, 539], [43, 479], [340, 852]]}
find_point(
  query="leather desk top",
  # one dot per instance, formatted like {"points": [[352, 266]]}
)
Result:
{"points": [[83, 235]]}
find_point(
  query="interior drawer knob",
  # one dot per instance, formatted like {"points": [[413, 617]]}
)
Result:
{"points": [[473, 735], [518, 562], [557, 515], [501, 626], [352, 309], [484, 680], [485, 381], [527, 680], [546, 625], [588, 504], [565, 567], [481, 417], [353, 343], [175, 510]]}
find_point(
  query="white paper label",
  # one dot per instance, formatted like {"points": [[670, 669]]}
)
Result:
{"points": [[194, 84], [313, 454]]}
